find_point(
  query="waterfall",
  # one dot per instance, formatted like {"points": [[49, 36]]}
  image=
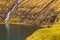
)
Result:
{"points": [[12, 10], [8, 17]]}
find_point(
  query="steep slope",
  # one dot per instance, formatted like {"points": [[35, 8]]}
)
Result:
{"points": [[5, 7], [33, 12], [36, 12]]}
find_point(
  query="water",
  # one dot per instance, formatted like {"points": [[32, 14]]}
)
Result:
{"points": [[12, 10], [15, 31]]}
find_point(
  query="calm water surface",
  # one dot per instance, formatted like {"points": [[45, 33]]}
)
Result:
{"points": [[15, 31]]}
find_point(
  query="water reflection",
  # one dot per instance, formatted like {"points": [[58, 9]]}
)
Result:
{"points": [[15, 31], [8, 31]]}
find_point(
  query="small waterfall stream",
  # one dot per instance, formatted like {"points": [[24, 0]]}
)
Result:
{"points": [[12, 10], [8, 17]]}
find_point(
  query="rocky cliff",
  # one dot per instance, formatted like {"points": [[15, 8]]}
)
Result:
{"points": [[33, 12]]}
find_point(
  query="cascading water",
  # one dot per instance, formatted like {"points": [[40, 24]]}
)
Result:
{"points": [[12, 10], [8, 17]]}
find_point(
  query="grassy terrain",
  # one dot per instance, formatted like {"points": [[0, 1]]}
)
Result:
{"points": [[46, 33]]}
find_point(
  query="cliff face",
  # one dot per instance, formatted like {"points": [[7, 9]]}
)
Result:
{"points": [[33, 12]]}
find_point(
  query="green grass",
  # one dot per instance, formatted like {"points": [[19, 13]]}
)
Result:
{"points": [[46, 33]]}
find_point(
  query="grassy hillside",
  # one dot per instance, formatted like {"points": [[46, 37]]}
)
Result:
{"points": [[46, 33]]}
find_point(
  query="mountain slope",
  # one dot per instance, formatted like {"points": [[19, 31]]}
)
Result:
{"points": [[41, 13]]}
